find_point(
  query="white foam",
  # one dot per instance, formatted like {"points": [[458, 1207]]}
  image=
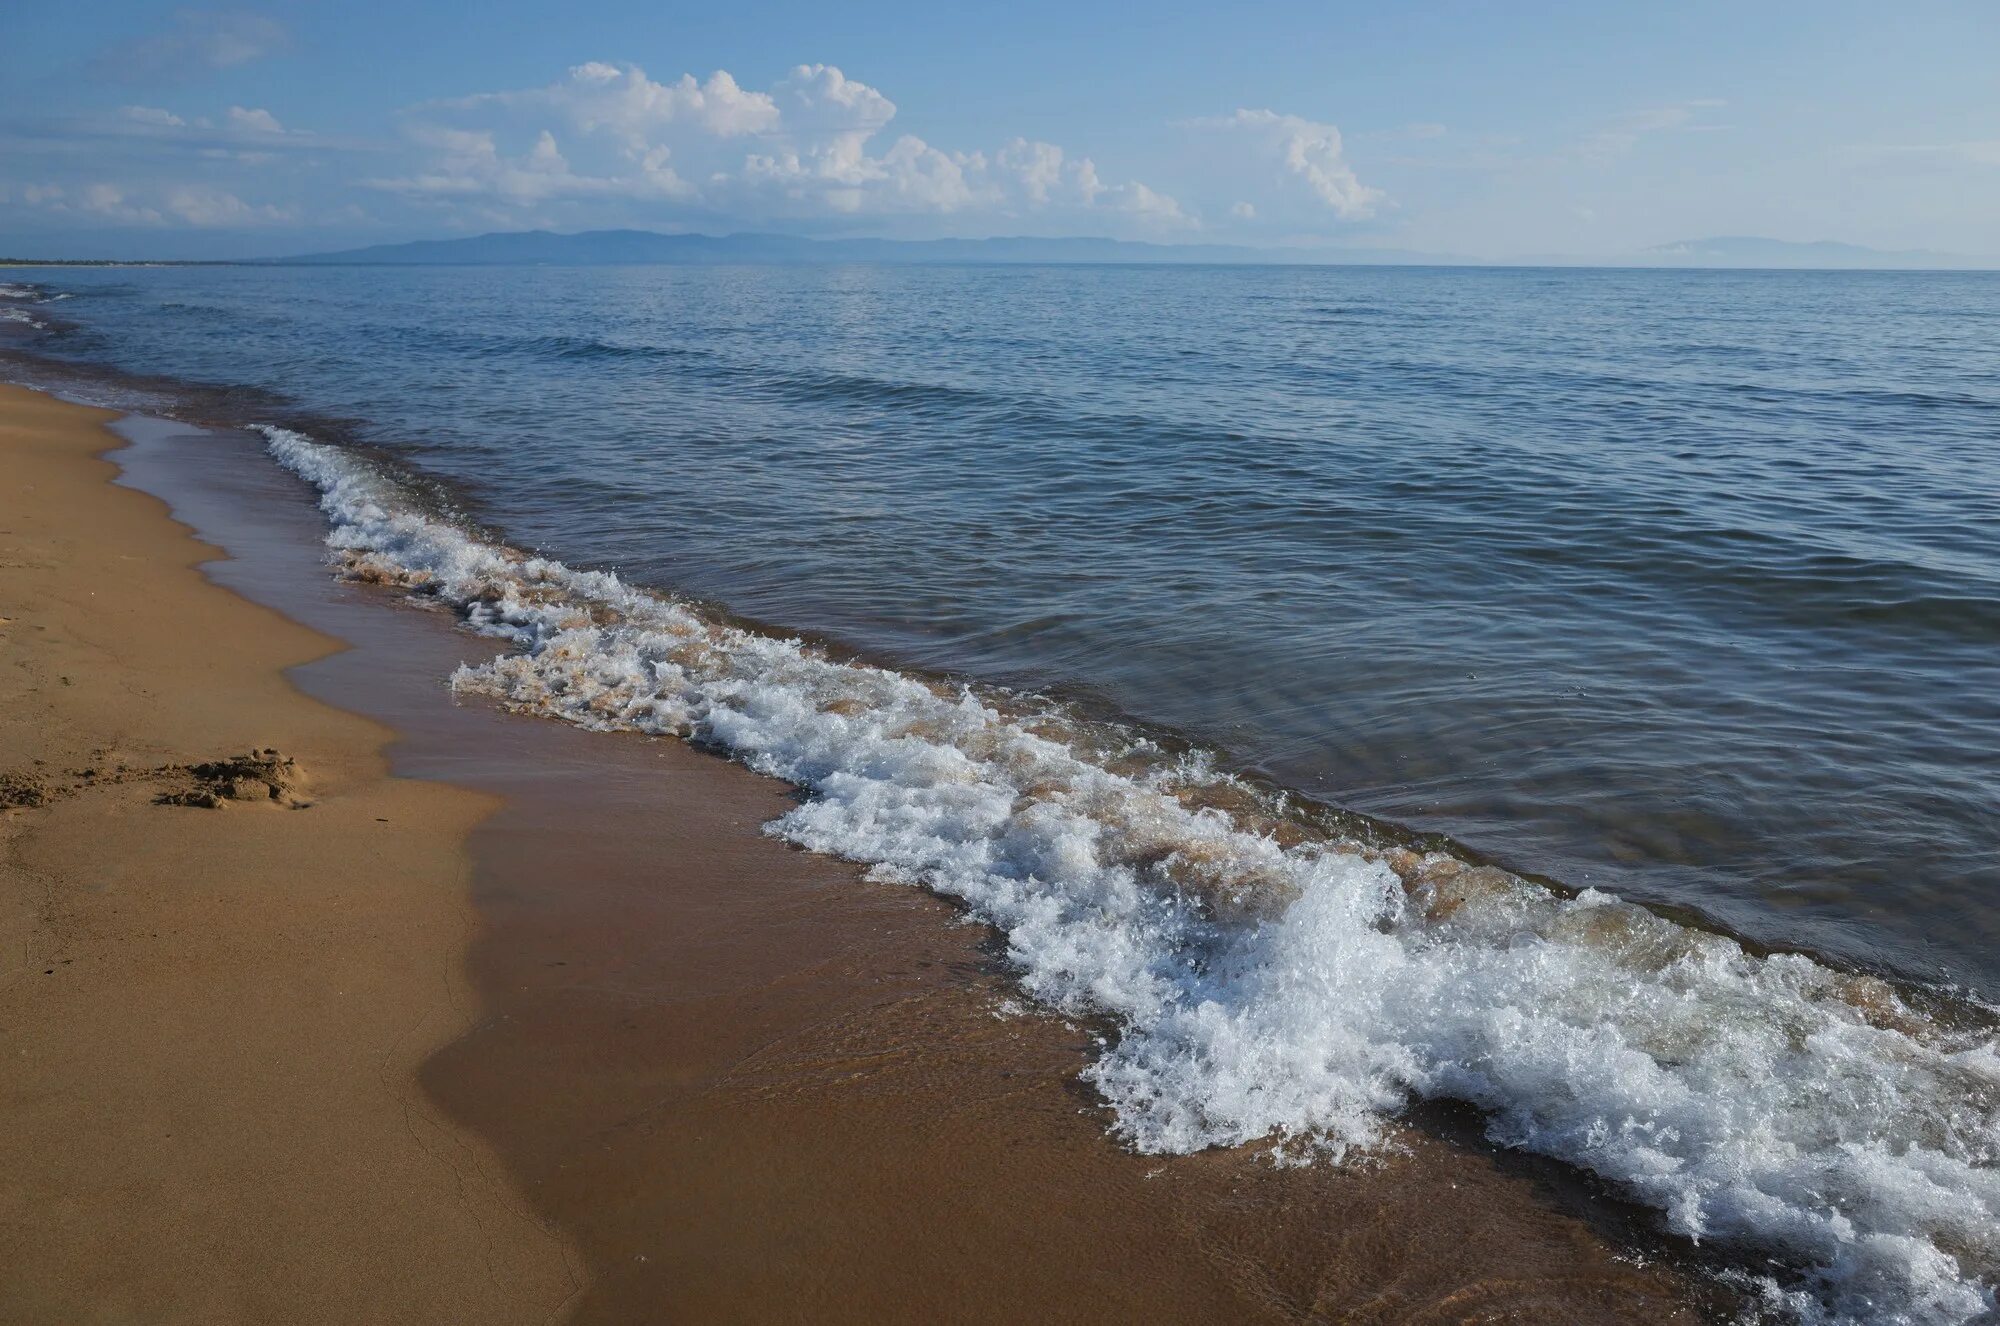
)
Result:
{"points": [[1298, 994], [9, 290]]}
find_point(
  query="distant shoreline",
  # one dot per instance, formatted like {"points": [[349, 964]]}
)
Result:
{"points": [[628, 248], [134, 262], [22, 264]]}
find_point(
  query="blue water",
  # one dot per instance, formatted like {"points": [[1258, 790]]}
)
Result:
{"points": [[1681, 584]]}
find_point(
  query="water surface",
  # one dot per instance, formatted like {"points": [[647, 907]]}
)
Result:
{"points": [[1681, 584]]}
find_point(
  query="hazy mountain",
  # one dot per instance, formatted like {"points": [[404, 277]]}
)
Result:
{"points": [[610, 247], [646, 246], [1751, 251]]}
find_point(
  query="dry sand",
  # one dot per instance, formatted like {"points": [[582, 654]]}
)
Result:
{"points": [[742, 1082], [211, 1019]]}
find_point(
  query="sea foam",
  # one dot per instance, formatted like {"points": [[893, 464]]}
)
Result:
{"points": [[1277, 984]]}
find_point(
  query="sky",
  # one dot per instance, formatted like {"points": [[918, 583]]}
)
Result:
{"points": [[1539, 128]]}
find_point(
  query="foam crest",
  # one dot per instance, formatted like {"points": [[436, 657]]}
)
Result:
{"points": [[1279, 983]]}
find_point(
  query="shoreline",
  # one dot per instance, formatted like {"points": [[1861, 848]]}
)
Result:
{"points": [[743, 1080], [1951, 997]]}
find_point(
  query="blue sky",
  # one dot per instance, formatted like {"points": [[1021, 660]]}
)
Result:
{"points": [[1490, 130]]}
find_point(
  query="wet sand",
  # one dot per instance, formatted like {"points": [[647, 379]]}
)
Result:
{"points": [[732, 1081]]}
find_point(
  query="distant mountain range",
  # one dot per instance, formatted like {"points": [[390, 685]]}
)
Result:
{"points": [[613, 247], [602, 247], [1750, 251]]}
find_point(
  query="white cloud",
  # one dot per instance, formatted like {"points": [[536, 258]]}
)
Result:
{"points": [[152, 115], [808, 147], [819, 158], [1150, 204], [1037, 174], [100, 201], [469, 164], [199, 205], [247, 121], [1308, 151], [1037, 166], [101, 198], [620, 101], [195, 205], [831, 117], [1242, 211]]}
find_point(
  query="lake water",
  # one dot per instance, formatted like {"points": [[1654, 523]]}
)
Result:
{"points": [[1683, 584], [1682, 587]]}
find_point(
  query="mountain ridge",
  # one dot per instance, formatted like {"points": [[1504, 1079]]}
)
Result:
{"points": [[614, 247], [649, 247]]}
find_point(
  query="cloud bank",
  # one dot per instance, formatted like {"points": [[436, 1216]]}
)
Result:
{"points": [[813, 146], [606, 144]]}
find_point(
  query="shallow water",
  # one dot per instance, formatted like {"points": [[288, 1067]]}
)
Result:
{"points": [[1363, 572], [743, 994]]}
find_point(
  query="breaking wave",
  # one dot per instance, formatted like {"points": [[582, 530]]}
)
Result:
{"points": [[1280, 978]]}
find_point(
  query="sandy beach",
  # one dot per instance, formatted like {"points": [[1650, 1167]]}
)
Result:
{"points": [[213, 1017], [514, 1021]]}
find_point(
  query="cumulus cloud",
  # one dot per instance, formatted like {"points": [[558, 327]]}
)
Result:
{"points": [[621, 102], [469, 164], [1309, 152], [820, 102], [809, 146], [819, 152], [1043, 175], [1037, 166], [196, 41]]}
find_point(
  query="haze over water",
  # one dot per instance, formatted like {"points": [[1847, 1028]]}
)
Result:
{"points": [[1684, 585]]}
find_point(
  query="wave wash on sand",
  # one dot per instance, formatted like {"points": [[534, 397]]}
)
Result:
{"points": [[1273, 980]]}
